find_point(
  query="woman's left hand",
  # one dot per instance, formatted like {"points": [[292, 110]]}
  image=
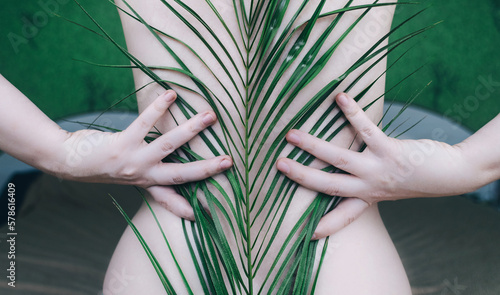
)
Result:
{"points": [[388, 169]]}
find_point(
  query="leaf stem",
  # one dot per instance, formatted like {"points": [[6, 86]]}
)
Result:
{"points": [[247, 180]]}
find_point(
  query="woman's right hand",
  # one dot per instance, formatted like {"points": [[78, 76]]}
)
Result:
{"points": [[125, 158]]}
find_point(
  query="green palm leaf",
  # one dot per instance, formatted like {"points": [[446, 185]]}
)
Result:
{"points": [[227, 247]]}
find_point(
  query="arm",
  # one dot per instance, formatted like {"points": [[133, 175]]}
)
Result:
{"points": [[93, 156], [482, 153], [392, 169]]}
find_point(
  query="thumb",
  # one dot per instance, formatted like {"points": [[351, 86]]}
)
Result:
{"points": [[344, 214], [172, 201]]}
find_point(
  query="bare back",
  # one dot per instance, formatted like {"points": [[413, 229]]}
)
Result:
{"points": [[361, 258]]}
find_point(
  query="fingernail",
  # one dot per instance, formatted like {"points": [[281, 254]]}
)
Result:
{"points": [[283, 167], [208, 119], [225, 164], [190, 217], [342, 99], [169, 95], [293, 138], [314, 237]]}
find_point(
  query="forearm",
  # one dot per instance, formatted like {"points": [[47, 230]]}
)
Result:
{"points": [[482, 154], [94, 156], [27, 133]]}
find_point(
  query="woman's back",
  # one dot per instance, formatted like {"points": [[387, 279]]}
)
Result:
{"points": [[360, 259]]}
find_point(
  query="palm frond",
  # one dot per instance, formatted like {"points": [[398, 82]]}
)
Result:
{"points": [[231, 241]]}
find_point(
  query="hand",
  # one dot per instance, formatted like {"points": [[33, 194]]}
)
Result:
{"points": [[125, 158], [388, 169]]}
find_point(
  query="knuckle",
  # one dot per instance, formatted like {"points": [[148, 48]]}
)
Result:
{"points": [[340, 163], [165, 205], [375, 195], [167, 147], [178, 179], [367, 132], [144, 124], [332, 190], [387, 181], [129, 172], [348, 220]]}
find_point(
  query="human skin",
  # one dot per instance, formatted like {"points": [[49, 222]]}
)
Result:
{"points": [[361, 259], [29, 135], [392, 169]]}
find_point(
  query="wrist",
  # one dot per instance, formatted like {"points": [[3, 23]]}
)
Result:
{"points": [[87, 156], [54, 158], [478, 171]]}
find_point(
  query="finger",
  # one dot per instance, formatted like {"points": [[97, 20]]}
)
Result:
{"points": [[332, 184], [172, 201], [148, 118], [172, 140], [344, 214], [367, 130], [173, 173], [344, 159]]}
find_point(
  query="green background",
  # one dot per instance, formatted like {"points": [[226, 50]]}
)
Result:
{"points": [[44, 68], [458, 54]]}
